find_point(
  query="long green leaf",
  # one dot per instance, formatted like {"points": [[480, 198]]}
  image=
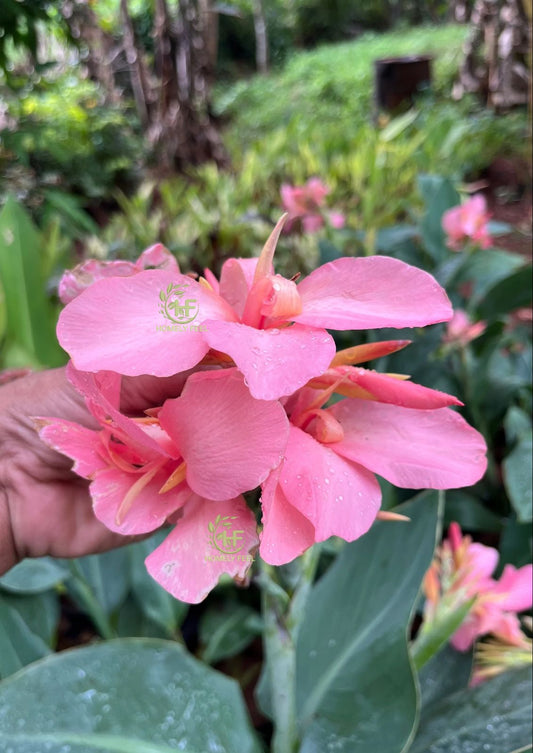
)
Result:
{"points": [[355, 681], [30, 319]]}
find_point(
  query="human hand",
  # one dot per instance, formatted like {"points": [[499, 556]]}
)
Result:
{"points": [[45, 508]]}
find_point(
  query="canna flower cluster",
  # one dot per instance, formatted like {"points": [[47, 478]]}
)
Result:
{"points": [[468, 221], [305, 206], [462, 571], [255, 397]]}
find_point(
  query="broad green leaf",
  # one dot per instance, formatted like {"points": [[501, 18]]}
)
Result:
{"points": [[40, 613], [132, 622], [327, 251], [34, 575], [484, 269], [515, 545], [446, 673], [494, 717], [226, 630], [468, 511], [107, 575], [18, 644], [517, 476], [130, 696], [440, 195], [30, 320], [355, 681], [156, 603], [508, 295], [517, 423]]}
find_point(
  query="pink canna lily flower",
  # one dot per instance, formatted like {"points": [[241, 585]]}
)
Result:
{"points": [[272, 329], [468, 222], [461, 571], [326, 484], [189, 461], [305, 207], [76, 280], [461, 331]]}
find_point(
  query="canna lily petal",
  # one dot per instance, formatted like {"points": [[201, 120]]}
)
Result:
{"points": [[465, 636], [434, 449], [385, 388], [102, 398], [371, 292], [148, 511], [134, 340], [515, 588], [236, 280], [229, 441], [367, 352], [388, 389], [75, 281], [187, 564], [76, 442], [286, 532], [338, 497], [157, 256], [481, 562], [275, 362]]}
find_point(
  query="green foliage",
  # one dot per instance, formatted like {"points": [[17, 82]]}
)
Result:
{"points": [[19, 20], [66, 149], [130, 696], [331, 86], [352, 657], [227, 629], [492, 718], [29, 337]]}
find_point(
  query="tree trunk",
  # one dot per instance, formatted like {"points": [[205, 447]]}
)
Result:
{"points": [[137, 69], [102, 49], [183, 131], [261, 38], [497, 62]]}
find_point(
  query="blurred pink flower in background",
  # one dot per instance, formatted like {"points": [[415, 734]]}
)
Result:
{"points": [[460, 330], [74, 281], [467, 221], [305, 206], [462, 570]]}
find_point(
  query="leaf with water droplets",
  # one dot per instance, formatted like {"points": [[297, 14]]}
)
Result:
{"points": [[129, 696], [494, 717]]}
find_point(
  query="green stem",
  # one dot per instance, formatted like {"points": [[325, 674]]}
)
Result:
{"points": [[283, 620]]}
